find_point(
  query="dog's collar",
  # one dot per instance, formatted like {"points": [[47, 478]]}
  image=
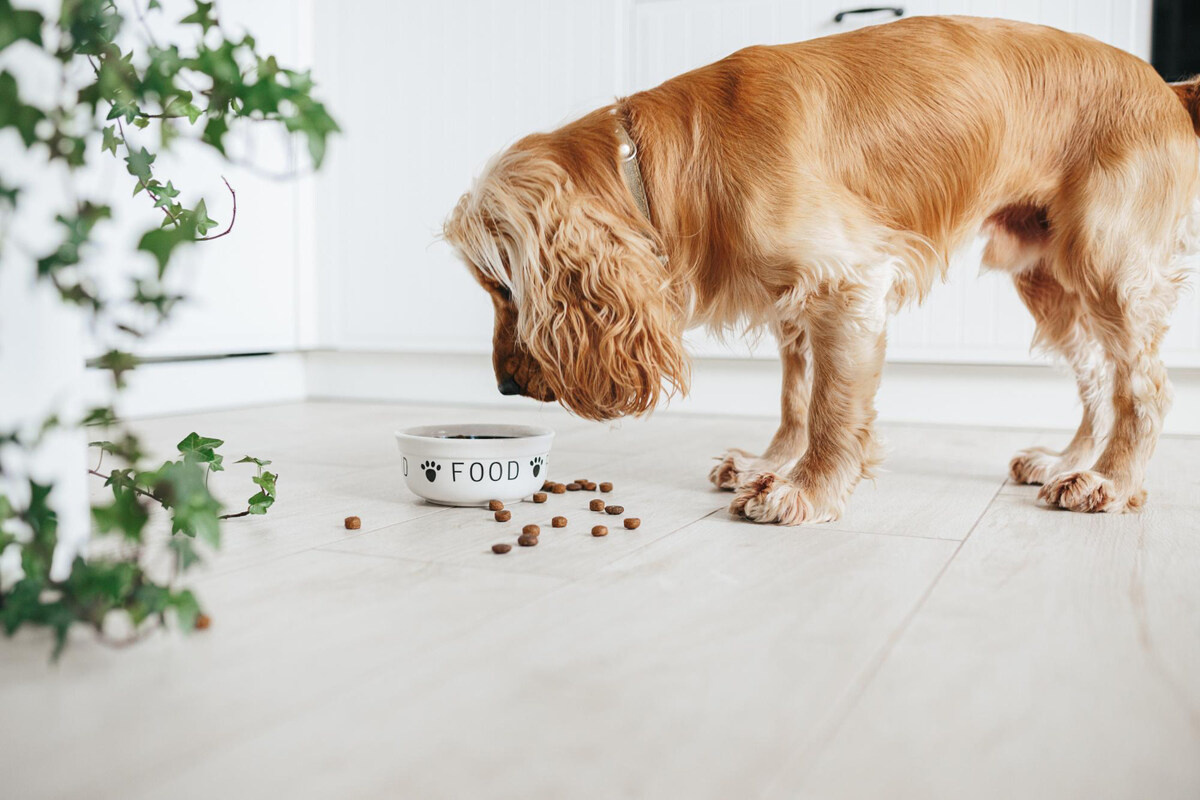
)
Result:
{"points": [[630, 169]]}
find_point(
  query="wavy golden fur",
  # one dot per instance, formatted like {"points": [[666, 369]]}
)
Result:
{"points": [[813, 187]]}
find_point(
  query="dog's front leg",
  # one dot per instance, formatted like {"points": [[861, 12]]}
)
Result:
{"points": [[847, 334], [788, 443]]}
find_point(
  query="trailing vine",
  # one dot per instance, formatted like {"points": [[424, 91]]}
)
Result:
{"points": [[136, 98]]}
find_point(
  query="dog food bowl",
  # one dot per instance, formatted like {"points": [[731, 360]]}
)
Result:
{"points": [[468, 465]]}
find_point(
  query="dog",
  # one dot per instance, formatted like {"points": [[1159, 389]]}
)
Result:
{"points": [[811, 189]]}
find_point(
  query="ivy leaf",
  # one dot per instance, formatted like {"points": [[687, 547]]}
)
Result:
{"points": [[110, 140], [118, 363], [17, 25], [199, 217], [198, 448], [161, 242], [185, 552], [202, 16], [187, 608], [15, 114], [252, 460], [260, 502], [124, 514], [138, 163]]}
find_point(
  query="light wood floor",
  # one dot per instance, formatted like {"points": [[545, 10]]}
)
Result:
{"points": [[948, 638]]}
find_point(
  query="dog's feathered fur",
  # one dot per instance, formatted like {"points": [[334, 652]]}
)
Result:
{"points": [[814, 187]]}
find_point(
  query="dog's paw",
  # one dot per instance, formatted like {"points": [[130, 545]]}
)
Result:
{"points": [[1083, 490], [766, 497], [732, 467], [1034, 465]]}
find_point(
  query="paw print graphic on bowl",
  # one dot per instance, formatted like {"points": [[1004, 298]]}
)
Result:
{"points": [[536, 463], [431, 470]]}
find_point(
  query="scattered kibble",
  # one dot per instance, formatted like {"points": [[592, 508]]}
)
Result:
{"points": [[353, 523], [503, 515], [203, 621], [581, 480], [502, 548], [547, 485], [559, 522], [558, 488], [599, 530], [614, 510], [574, 487], [589, 486], [606, 486], [632, 522], [596, 505], [495, 505], [539, 497], [527, 541], [531, 530]]}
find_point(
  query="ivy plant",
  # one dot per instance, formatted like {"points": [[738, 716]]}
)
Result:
{"points": [[137, 98]]}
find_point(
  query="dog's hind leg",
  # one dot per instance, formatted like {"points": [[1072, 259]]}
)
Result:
{"points": [[1062, 329], [846, 328], [789, 441], [1118, 251]]}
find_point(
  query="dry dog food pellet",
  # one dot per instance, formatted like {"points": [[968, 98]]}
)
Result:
{"points": [[559, 522], [539, 497], [558, 488], [596, 505], [503, 516], [589, 486], [615, 509], [203, 621], [547, 485], [632, 522], [527, 541], [531, 530], [495, 505], [606, 486], [599, 530], [501, 548], [353, 523], [581, 480], [574, 487]]}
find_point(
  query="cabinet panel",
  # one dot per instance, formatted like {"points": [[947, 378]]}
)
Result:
{"points": [[973, 318]]}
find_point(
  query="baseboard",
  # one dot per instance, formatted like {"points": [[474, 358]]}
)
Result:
{"points": [[206, 384], [1027, 396]]}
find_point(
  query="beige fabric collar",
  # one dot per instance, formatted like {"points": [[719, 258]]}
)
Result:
{"points": [[629, 168]]}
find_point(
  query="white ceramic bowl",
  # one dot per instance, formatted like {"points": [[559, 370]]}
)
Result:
{"points": [[469, 464]]}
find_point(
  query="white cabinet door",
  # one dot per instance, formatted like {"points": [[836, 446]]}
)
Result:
{"points": [[427, 92], [974, 318]]}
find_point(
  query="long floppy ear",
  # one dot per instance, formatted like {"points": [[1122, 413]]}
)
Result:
{"points": [[597, 310]]}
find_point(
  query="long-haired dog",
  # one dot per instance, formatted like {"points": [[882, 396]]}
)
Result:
{"points": [[814, 187]]}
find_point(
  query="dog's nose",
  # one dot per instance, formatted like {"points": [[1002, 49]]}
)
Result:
{"points": [[509, 386]]}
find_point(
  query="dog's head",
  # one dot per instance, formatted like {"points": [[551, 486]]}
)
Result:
{"points": [[585, 310]]}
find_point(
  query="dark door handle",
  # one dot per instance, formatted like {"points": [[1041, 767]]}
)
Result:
{"points": [[841, 15]]}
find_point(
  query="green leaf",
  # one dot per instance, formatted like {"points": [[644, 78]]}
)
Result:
{"points": [[138, 163], [187, 608], [110, 140], [161, 243], [16, 114], [185, 552], [252, 460], [17, 25], [202, 16], [125, 514], [197, 447]]}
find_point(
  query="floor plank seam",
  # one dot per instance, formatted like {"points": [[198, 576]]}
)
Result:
{"points": [[854, 695]]}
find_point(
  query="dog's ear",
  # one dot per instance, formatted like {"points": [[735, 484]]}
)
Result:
{"points": [[597, 310]]}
